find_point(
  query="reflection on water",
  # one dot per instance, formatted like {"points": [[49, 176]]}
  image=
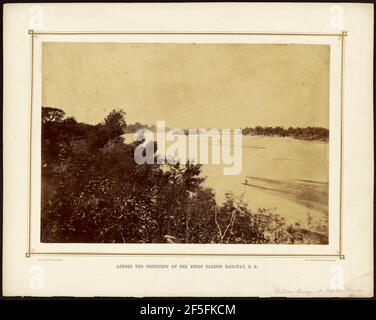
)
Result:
{"points": [[311, 194], [287, 175]]}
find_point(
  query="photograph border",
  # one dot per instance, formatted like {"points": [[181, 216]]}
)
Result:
{"points": [[341, 35]]}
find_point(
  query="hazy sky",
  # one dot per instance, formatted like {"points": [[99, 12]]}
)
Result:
{"points": [[189, 85]]}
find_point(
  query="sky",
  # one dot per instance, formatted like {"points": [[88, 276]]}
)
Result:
{"points": [[189, 85]]}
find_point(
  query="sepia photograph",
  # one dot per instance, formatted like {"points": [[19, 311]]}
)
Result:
{"points": [[165, 152], [200, 143]]}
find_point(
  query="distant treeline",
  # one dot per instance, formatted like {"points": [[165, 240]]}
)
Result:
{"points": [[132, 128], [307, 133]]}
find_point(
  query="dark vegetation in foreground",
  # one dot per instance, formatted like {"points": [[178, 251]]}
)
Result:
{"points": [[94, 192]]}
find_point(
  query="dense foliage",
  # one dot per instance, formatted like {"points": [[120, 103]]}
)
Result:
{"points": [[94, 192]]}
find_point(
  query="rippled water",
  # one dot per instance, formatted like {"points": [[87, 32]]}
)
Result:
{"points": [[288, 175]]}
